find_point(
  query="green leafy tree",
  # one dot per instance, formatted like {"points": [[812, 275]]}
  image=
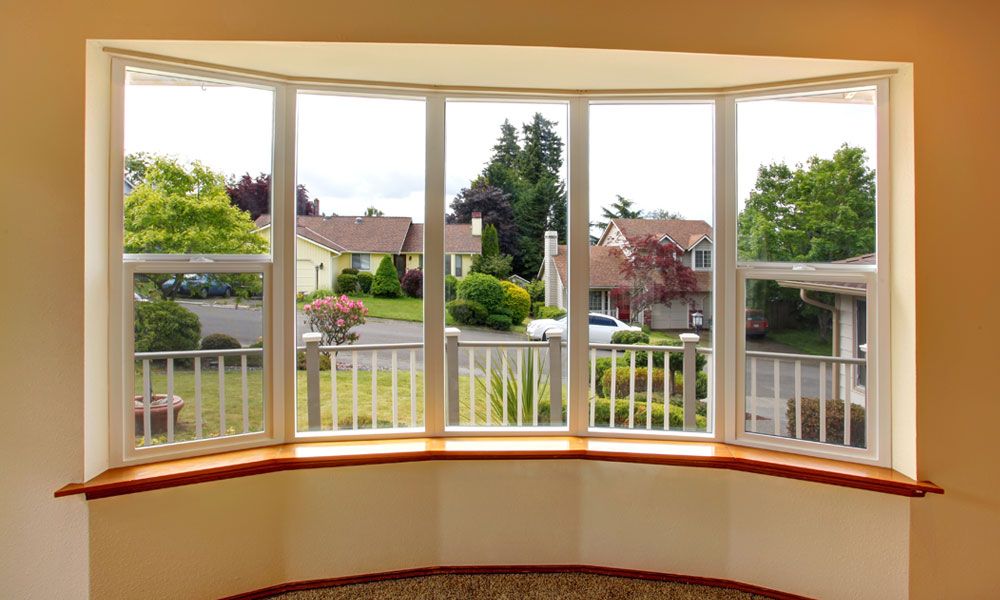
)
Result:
{"points": [[179, 210], [371, 211], [662, 213], [490, 241], [386, 283]]}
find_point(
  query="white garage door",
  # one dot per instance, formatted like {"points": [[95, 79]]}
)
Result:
{"points": [[674, 316], [305, 276]]}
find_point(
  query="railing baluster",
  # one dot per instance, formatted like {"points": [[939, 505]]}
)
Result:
{"points": [[472, 387], [170, 401], [413, 388], [147, 425], [753, 394], [374, 367], [335, 409], [614, 380], [822, 402], [520, 387], [222, 396], [649, 390], [798, 399], [535, 376], [246, 394], [849, 374], [506, 381], [489, 387], [777, 397], [197, 398], [313, 355], [666, 390], [631, 390], [593, 385], [395, 393], [354, 390]]}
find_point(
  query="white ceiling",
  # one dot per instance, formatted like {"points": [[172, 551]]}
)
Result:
{"points": [[501, 66]]}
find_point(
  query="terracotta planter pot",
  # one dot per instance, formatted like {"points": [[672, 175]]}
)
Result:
{"points": [[158, 411]]}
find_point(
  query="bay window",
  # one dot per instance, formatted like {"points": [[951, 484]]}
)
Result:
{"points": [[270, 283]]}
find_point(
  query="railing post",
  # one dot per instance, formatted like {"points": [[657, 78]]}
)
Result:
{"points": [[690, 375], [312, 340], [554, 337], [451, 370]]}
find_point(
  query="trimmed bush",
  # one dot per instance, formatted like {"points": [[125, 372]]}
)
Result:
{"points": [[413, 283], [549, 312], [498, 321], [468, 312], [386, 282], [300, 361], [498, 265], [621, 384], [536, 289], [220, 341], [163, 325], [365, 280], [347, 283], [516, 302], [349, 271], [256, 361], [834, 421], [484, 289], [450, 287], [629, 337], [602, 413]]}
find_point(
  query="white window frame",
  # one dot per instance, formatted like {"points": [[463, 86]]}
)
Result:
{"points": [[704, 253], [278, 267]]}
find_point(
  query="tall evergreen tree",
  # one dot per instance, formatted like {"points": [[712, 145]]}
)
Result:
{"points": [[490, 241], [541, 153], [621, 208], [507, 149]]}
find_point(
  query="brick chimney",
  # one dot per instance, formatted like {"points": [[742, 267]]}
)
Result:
{"points": [[477, 224], [550, 275], [316, 206]]}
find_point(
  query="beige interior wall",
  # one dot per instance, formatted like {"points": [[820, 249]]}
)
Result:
{"points": [[953, 47], [310, 524]]}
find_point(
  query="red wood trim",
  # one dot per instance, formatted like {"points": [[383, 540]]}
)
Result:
{"points": [[313, 584], [241, 463]]}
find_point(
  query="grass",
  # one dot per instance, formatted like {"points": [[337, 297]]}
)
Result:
{"points": [[803, 340]]}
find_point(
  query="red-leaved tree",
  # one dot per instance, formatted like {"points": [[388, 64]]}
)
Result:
{"points": [[652, 273], [253, 194]]}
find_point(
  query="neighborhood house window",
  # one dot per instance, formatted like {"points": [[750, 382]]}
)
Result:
{"points": [[447, 264], [860, 337], [596, 301], [361, 262], [458, 265], [703, 259]]}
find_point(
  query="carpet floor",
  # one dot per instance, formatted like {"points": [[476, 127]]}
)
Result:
{"points": [[534, 586]]}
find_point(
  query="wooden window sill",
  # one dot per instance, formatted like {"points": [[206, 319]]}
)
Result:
{"points": [[312, 455]]}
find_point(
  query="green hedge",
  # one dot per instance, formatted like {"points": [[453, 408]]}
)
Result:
{"points": [[499, 322], [220, 341], [629, 337], [549, 312], [834, 421], [482, 288], [622, 381], [516, 302], [347, 283], [602, 413], [164, 325], [468, 312], [365, 281]]}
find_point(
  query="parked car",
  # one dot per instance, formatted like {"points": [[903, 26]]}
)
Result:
{"points": [[756, 323], [200, 286], [602, 327]]}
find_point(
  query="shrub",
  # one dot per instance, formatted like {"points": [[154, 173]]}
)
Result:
{"points": [[549, 312], [386, 282], [450, 286], [484, 289], [498, 321], [413, 283], [622, 381], [256, 361], [162, 325], [349, 271], [300, 361], [498, 265], [335, 317], [516, 302], [536, 289], [321, 293], [629, 337], [468, 312], [220, 341], [347, 283], [834, 421], [602, 413], [365, 281], [700, 384]]}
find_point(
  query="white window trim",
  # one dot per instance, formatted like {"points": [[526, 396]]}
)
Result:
{"points": [[694, 259], [726, 353]]}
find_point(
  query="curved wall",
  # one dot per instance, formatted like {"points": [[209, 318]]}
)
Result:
{"points": [[221, 538]]}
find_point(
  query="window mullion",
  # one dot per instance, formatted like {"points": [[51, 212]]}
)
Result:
{"points": [[434, 207], [283, 309]]}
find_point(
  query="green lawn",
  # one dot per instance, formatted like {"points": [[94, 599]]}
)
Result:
{"points": [[403, 309], [803, 340]]}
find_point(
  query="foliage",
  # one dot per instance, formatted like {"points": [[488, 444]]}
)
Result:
{"points": [[676, 366], [653, 274], [386, 282], [253, 195], [468, 312], [365, 280], [493, 392], [629, 337], [602, 413], [621, 208], [622, 380], [516, 302], [220, 341], [834, 421], [490, 241], [662, 214], [335, 317], [320, 293], [256, 361], [496, 209], [347, 283], [164, 325], [536, 289], [300, 361], [413, 283], [484, 289], [371, 211], [499, 322], [497, 265], [549, 312], [450, 287], [350, 271]]}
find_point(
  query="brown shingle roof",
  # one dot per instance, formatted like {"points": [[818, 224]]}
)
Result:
{"points": [[458, 238], [685, 233], [347, 234], [606, 267]]}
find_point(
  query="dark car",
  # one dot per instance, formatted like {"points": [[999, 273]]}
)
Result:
{"points": [[756, 323], [200, 286]]}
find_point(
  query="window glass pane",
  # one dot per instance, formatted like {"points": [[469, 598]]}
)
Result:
{"points": [[197, 338], [506, 216], [651, 213], [362, 161], [803, 359], [806, 176], [197, 165]]}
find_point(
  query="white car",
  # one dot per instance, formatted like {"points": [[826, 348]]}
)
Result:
{"points": [[602, 327]]}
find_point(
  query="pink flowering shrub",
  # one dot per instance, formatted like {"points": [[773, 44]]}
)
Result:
{"points": [[335, 317]]}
